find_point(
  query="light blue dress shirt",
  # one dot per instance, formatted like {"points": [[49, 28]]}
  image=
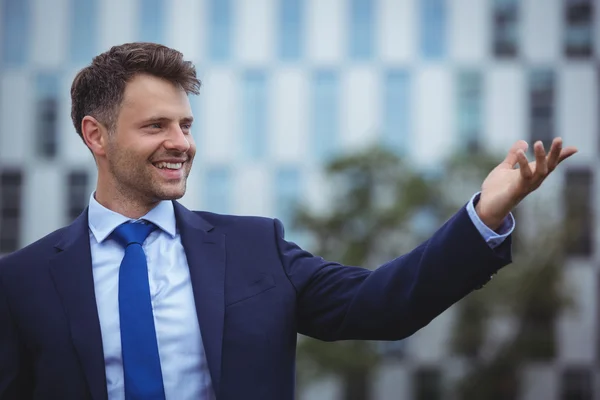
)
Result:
{"points": [[183, 360], [492, 238]]}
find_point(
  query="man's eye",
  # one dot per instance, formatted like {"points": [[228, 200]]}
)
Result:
{"points": [[156, 126]]}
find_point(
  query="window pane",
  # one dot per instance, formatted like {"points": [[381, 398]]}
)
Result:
{"points": [[11, 183], [579, 30], [220, 30], [397, 110], [325, 113], [578, 201], [151, 20], [428, 384], [597, 316], [254, 115], [541, 106], [577, 384], [433, 28], [10, 196], [84, 29], [9, 234], [47, 115], [361, 29], [14, 32], [290, 24], [196, 106], [78, 194], [217, 190], [506, 27], [470, 108], [287, 192]]}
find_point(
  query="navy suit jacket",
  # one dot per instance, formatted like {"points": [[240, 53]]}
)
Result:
{"points": [[253, 290]]}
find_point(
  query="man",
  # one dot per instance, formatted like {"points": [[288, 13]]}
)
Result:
{"points": [[140, 298]]}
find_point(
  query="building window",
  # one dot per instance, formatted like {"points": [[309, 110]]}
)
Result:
{"points": [[254, 115], [196, 106], [325, 113], [427, 384], [578, 218], [541, 107], [77, 182], [84, 27], [470, 108], [361, 29], [14, 32], [47, 115], [217, 190], [579, 28], [577, 384], [392, 350], [220, 30], [151, 21], [287, 194], [11, 183], [290, 28], [598, 317], [397, 110], [506, 27], [433, 28]]}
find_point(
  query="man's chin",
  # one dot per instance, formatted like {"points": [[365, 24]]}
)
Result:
{"points": [[170, 193]]}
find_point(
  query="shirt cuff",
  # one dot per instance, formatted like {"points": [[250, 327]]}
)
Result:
{"points": [[492, 238]]}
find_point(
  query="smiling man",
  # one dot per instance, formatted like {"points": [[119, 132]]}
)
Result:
{"points": [[141, 298]]}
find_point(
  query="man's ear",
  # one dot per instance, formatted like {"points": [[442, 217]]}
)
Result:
{"points": [[94, 135]]}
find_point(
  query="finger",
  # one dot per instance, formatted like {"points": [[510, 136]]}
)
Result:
{"points": [[524, 165], [541, 166], [512, 158], [566, 153], [554, 154]]}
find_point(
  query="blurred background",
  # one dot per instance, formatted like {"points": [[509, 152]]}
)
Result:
{"points": [[362, 125]]}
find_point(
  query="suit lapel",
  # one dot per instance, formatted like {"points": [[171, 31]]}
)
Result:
{"points": [[205, 252], [71, 270]]}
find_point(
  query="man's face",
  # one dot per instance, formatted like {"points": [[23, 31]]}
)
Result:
{"points": [[150, 153]]}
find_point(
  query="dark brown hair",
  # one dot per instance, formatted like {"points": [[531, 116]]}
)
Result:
{"points": [[98, 89]]}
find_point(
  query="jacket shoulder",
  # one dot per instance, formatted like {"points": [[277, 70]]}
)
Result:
{"points": [[38, 250], [236, 221]]}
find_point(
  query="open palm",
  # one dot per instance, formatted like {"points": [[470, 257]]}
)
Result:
{"points": [[506, 186]]}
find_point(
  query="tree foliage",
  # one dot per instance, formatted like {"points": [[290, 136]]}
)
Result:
{"points": [[376, 199]]}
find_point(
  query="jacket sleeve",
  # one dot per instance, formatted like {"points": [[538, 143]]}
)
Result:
{"points": [[15, 375], [337, 302]]}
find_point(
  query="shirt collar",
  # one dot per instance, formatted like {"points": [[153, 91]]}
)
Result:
{"points": [[102, 221]]}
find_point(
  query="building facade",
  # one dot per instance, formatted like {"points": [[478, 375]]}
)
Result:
{"points": [[288, 84]]}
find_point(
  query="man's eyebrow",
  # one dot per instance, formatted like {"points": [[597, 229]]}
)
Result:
{"points": [[158, 118]]}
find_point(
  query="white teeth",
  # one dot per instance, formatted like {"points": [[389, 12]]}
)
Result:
{"points": [[169, 165]]}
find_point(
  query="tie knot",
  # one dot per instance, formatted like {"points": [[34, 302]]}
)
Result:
{"points": [[129, 233]]}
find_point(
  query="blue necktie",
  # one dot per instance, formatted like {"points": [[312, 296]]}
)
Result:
{"points": [[141, 362]]}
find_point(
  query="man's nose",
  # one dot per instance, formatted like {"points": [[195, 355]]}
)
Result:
{"points": [[177, 140]]}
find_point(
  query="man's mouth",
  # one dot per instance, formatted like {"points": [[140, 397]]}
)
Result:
{"points": [[168, 165]]}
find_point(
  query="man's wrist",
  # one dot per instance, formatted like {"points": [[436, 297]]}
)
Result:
{"points": [[492, 222]]}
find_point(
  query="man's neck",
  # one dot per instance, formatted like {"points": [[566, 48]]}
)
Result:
{"points": [[128, 207]]}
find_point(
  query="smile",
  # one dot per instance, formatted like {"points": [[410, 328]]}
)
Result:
{"points": [[166, 165]]}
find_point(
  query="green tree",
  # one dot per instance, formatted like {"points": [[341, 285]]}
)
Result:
{"points": [[376, 198]]}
